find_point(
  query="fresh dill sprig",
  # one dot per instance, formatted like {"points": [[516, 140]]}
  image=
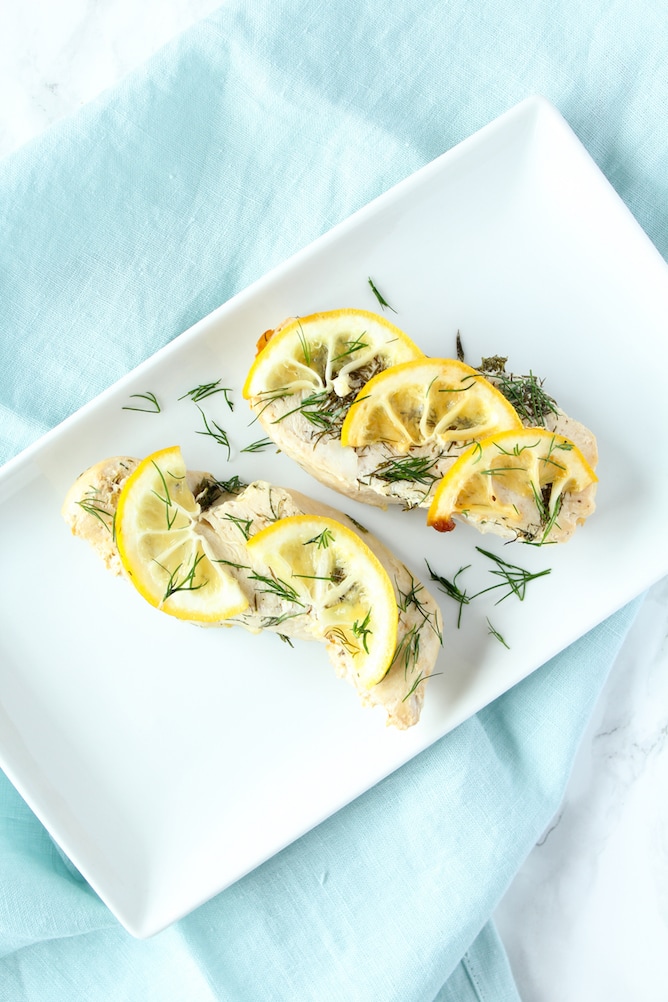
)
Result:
{"points": [[353, 346], [210, 491], [306, 348], [525, 393], [554, 447], [495, 633], [418, 681], [548, 519], [268, 397], [232, 486], [269, 622], [259, 446], [205, 390], [381, 299], [316, 577], [187, 583], [276, 586], [214, 430], [274, 514], [413, 468], [151, 399], [362, 630], [408, 650], [468, 382], [242, 524], [322, 409], [231, 563], [286, 639], [452, 589], [412, 598], [93, 506], [322, 540], [517, 449], [170, 514], [513, 578]]}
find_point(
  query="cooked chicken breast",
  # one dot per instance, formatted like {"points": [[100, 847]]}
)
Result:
{"points": [[89, 511], [377, 475]]}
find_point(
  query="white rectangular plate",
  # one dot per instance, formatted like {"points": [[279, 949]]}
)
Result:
{"points": [[168, 761]]}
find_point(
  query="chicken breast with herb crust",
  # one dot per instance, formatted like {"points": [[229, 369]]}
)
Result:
{"points": [[229, 515], [308, 420]]}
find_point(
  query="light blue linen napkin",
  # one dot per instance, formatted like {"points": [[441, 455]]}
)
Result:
{"points": [[238, 144]]}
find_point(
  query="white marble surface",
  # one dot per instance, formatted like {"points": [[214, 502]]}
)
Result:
{"points": [[586, 919]]}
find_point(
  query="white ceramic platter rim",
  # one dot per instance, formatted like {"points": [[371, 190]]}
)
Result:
{"points": [[168, 762]]}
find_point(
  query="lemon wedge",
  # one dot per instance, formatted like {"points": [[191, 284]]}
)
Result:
{"points": [[335, 351], [323, 567], [160, 549], [427, 400], [522, 482]]}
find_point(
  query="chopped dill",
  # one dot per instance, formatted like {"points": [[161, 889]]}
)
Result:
{"points": [[381, 299], [276, 586], [231, 563], [205, 390], [259, 446], [210, 491], [408, 650], [268, 397], [513, 577], [316, 577], [323, 539], [362, 630], [322, 409], [353, 346], [514, 580], [167, 499], [517, 449], [548, 519], [412, 598], [270, 622], [452, 589], [414, 468], [420, 678], [304, 343], [232, 486], [94, 507], [150, 398], [495, 633], [525, 393], [187, 583], [214, 430], [242, 524]]}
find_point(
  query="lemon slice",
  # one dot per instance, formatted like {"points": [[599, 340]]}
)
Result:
{"points": [[160, 549], [334, 352], [323, 567], [426, 400], [519, 481]]}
